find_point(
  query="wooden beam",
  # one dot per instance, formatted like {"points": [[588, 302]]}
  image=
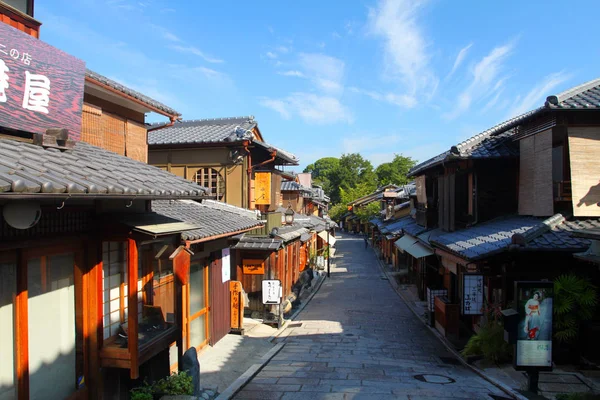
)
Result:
{"points": [[93, 332], [132, 314], [21, 329]]}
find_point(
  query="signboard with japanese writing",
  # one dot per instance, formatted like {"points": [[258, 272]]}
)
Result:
{"points": [[237, 304], [534, 328], [472, 300], [225, 265], [41, 87], [271, 291], [253, 267], [262, 188]]}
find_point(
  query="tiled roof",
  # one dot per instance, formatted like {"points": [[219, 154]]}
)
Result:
{"points": [[258, 243], [495, 142], [585, 96], [286, 156], [496, 236], [204, 131], [83, 171], [412, 228], [214, 217], [291, 232], [291, 186], [130, 92], [403, 225]]}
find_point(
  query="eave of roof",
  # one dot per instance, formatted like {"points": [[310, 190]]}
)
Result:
{"points": [[133, 95]]}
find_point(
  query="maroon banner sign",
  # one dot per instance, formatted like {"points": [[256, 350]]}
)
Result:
{"points": [[41, 87]]}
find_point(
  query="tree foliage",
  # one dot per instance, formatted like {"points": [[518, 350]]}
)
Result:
{"points": [[369, 211], [395, 171], [321, 171], [574, 302]]}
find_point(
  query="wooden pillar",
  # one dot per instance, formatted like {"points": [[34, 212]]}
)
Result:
{"points": [[181, 266], [93, 334], [21, 329], [132, 314]]}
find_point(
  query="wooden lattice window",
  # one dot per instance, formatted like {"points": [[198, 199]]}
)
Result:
{"points": [[212, 179]]}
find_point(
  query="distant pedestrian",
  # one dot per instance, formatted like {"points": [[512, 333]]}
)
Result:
{"points": [[366, 242]]}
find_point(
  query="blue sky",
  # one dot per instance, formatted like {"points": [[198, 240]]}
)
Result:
{"points": [[377, 77]]}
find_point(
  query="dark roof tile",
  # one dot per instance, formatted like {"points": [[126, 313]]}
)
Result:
{"points": [[214, 217], [86, 170], [130, 92]]}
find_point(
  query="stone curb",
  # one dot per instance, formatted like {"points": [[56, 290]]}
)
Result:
{"points": [[506, 389], [250, 373]]}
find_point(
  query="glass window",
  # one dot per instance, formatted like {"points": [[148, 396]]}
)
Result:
{"points": [[197, 292], [114, 286], [198, 330], [21, 5], [8, 290], [51, 312], [210, 178]]}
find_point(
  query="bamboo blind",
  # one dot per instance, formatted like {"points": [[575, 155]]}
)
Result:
{"points": [[526, 176], [114, 133], [91, 125], [584, 148], [136, 143], [543, 194]]}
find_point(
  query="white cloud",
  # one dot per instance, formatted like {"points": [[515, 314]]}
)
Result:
{"points": [[295, 73], [486, 80], [401, 100], [405, 48], [171, 36], [538, 93], [271, 55], [312, 108], [283, 49], [276, 105], [326, 72], [460, 58], [197, 52]]}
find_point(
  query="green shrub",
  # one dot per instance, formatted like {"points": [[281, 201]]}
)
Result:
{"points": [[489, 343], [176, 384], [574, 302]]}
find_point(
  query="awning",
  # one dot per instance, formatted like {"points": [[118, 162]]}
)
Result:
{"points": [[323, 235], [154, 224], [412, 246], [405, 242]]}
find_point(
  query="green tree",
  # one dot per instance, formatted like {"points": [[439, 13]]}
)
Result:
{"points": [[336, 211], [369, 211], [352, 171], [321, 171], [395, 171]]}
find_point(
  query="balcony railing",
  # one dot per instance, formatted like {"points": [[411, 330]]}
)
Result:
{"points": [[562, 191]]}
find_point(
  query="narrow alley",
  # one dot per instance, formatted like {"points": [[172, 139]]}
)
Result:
{"points": [[357, 339]]}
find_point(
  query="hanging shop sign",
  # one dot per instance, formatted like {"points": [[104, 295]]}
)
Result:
{"points": [[271, 291], [472, 303], [225, 265], [262, 188], [534, 301], [253, 267], [41, 87]]}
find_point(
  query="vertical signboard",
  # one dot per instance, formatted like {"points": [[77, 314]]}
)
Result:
{"points": [[225, 265], [472, 302], [262, 188], [534, 302], [271, 291], [41, 87]]}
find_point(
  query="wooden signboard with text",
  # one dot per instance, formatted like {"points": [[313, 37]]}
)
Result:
{"points": [[262, 188], [237, 304], [41, 87], [253, 267]]}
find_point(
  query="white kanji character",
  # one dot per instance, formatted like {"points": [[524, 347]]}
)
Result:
{"points": [[3, 81], [3, 47], [14, 53], [37, 93], [26, 58]]}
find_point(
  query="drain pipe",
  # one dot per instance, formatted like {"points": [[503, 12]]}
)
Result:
{"points": [[173, 120]]}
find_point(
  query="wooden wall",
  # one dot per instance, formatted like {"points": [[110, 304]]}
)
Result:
{"points": [[535, 175], [220, 313], [584, 152]]}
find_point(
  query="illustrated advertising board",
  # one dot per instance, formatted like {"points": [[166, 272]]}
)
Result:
{"points": [[534, 302]]}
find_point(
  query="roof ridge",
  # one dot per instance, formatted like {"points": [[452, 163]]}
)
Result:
{"points": [[227, 207], [574, 91]]}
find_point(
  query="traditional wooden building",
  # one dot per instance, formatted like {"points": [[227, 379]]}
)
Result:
{"points": [[503, 204]]}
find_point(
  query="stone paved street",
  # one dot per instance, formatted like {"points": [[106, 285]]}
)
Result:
{"points": [[358, 340]]}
